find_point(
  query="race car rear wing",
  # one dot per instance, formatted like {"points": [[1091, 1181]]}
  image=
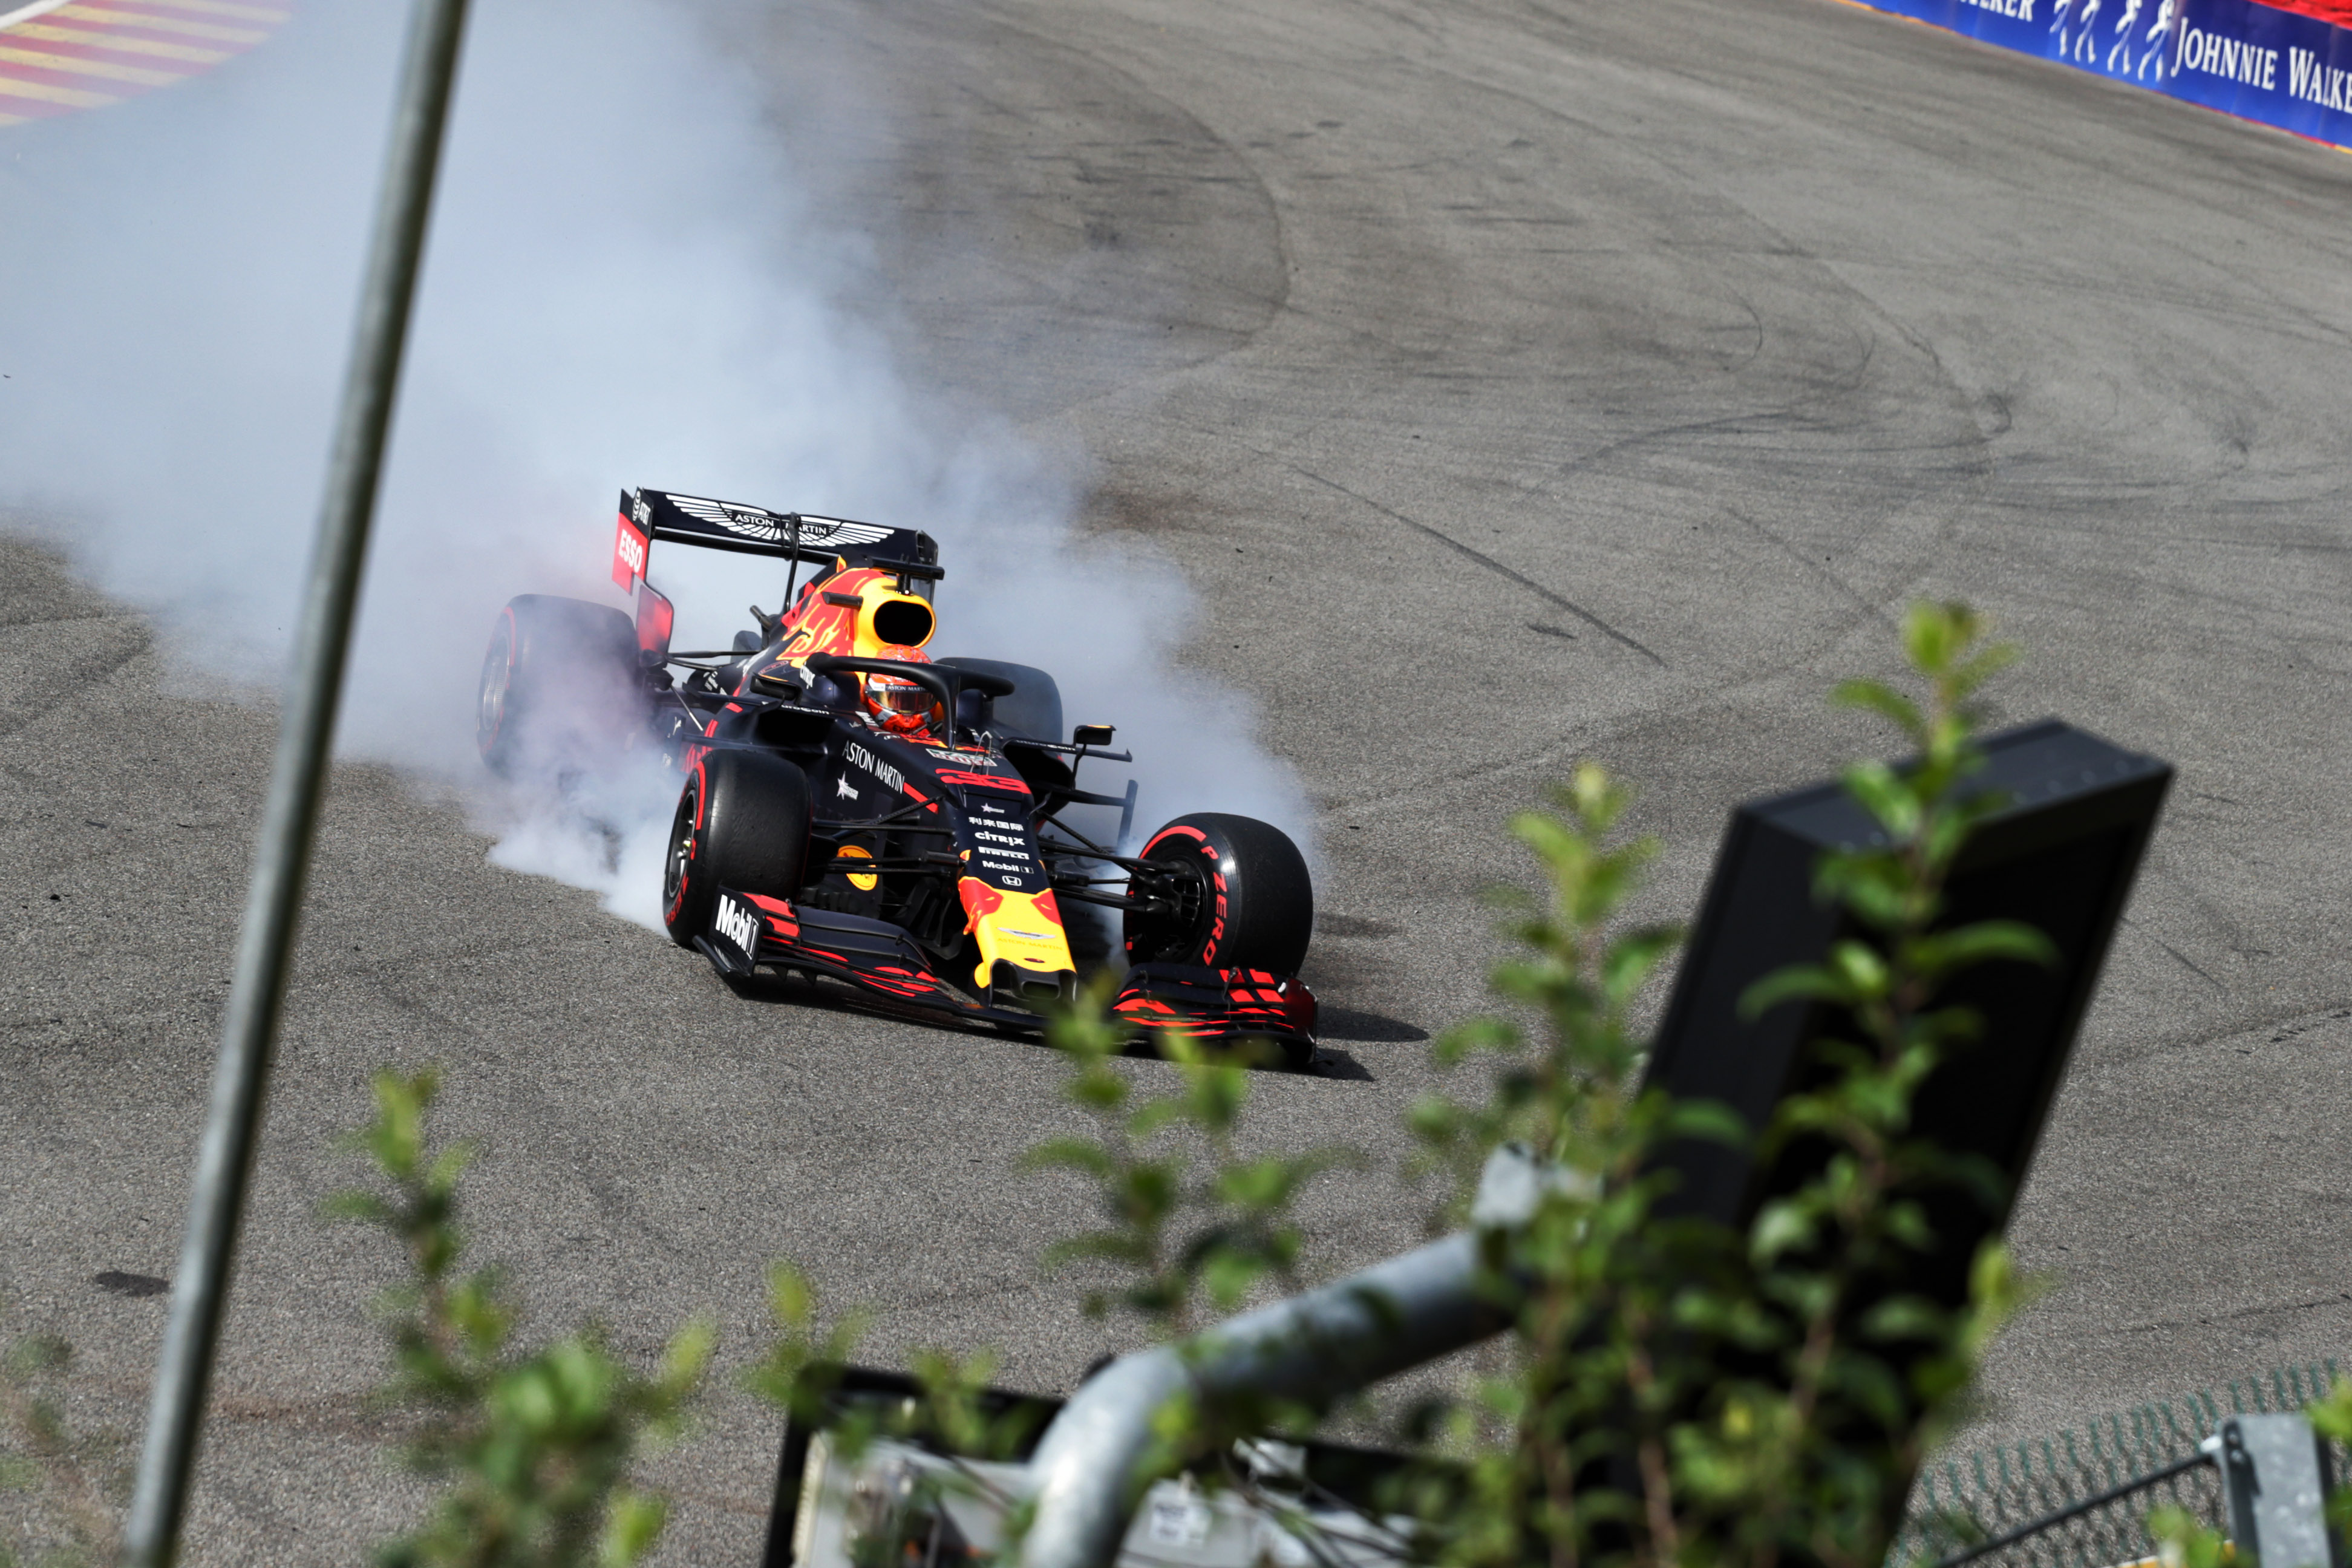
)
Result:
{"points": [[648, 514]]}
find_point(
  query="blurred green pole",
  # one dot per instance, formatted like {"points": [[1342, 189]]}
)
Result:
{"points": [[298, 780]]}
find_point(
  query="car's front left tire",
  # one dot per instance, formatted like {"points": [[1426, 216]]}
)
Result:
{"points": [[743, 821]]}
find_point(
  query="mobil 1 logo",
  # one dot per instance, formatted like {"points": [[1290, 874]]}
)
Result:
{"points": [[736, 925]]}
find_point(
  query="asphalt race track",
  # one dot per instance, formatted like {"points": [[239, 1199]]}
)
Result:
{"points": [[1516, 382]]}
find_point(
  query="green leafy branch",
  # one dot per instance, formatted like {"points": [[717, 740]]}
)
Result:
{"points": [[803, 1364], [537, 1446], [39, 1454], [1592, 1276], [1568, 1099], [1684, 1394], [1808, 1456], [1190, 1233]]}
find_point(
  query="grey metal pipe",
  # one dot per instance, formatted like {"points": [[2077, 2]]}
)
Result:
{"points": [[298, 780], [1087, 1473]]}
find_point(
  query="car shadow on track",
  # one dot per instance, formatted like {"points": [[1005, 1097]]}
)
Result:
{"points": [[1371, 1028], [823, 997], [1332, 1062], [1356, 1027]]}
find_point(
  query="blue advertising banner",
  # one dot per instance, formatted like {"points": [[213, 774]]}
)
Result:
{"points": [[2242, 58]]}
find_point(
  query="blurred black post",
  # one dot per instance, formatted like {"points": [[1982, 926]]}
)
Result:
{"points": [[298, 780], [2061, 856]]}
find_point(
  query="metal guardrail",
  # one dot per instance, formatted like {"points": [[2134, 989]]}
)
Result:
{"points": [[2260, 1479], [2242, 1460], [1090, 1469], [2081, 1498], [1089, 1472]]}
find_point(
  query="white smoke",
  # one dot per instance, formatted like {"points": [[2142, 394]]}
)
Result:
{"points": [[625, 286]]}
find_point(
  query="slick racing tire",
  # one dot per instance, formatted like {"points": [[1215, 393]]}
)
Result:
{"points": [[1035, 707], [742, 821], [1242, 896], [561, 689]]}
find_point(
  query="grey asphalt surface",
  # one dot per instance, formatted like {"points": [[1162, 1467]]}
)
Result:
{"points": [[1517, 384]]}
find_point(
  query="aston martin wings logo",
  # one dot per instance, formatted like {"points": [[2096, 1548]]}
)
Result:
{"points": [[744, 521], [776, 528], [831, 533]]}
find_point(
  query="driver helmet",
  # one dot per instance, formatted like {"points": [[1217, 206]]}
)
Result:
{"points": [[898, 704]]}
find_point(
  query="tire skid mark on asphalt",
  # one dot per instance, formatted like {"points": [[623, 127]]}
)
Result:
{"points": [[2285, 1024], [1269, 208], [1588, 737], [110, 656], [1278, 306], [2232, 1314], [1873, 609], [1580, 739], [1782, 244], [1488, 561], [2191, 965], [80, 618], [92, 54]]}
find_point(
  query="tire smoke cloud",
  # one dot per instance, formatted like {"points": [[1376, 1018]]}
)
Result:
{"points": [[625, 285]]}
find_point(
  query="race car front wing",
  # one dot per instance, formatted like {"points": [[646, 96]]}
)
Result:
{"points": [[1218, 1005], [1211, 1006]]}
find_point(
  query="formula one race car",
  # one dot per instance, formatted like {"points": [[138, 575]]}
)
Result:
{"points": [[853, 809]]}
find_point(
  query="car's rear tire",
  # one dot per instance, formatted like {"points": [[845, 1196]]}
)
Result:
{"points": [[1243, 898], [742, 821], [1032, 708], [560, 688]]}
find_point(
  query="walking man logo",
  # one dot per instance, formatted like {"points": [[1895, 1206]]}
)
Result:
{"points": [[2120, 52], [2086, 49], [2159, 43]]}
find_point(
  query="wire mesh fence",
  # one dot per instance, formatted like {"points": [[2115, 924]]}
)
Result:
{"points": [[2081, 1498]]}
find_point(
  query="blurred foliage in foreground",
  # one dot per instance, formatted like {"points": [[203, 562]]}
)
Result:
{"points": [[72, 1480], [1678, 1392], [1194, 1224], [1682, 1392], [535, 1446]]}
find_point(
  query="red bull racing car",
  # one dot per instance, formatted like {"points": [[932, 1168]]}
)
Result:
{"points": [[853, 809]]}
